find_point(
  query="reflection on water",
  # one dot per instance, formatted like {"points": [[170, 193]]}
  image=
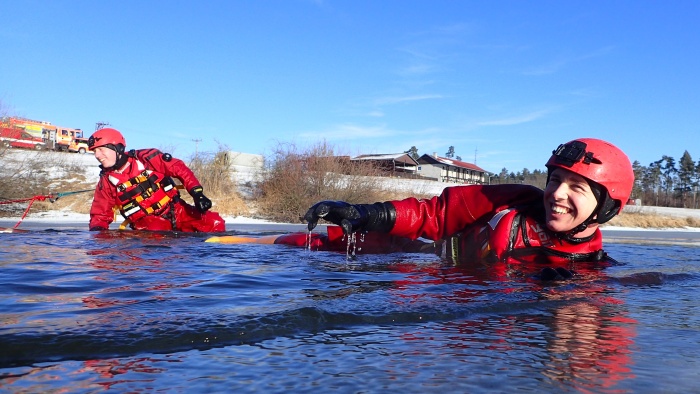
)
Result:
{"points": [[146, 312]]}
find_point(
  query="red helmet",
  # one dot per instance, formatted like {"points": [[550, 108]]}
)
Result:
{"points": [[104, 137], [603, 163]]}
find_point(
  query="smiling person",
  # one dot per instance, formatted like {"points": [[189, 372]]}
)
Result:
{"points": [[589, 182], [139, 183]]}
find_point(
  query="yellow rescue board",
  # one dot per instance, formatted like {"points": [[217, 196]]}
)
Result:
{"points": [[235, 239]]}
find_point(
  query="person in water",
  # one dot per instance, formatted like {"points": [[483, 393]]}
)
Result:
{"points": [[589, 181], [139, 183]]}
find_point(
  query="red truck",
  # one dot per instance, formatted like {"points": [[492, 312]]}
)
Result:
{"points": [[55, 137], [12, 137]]}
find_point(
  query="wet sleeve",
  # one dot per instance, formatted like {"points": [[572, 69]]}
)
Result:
{"points": [[457, 208], [101, 213]]}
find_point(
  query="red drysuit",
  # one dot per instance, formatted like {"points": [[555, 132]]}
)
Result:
{"points": [[494, 223], [162, 210]]}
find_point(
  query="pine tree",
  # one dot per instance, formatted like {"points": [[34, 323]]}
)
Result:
{"points": [[686, 176], [413, 152]]}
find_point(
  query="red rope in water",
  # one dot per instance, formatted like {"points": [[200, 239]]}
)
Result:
{"points": [[50, 197], [31, 201]]}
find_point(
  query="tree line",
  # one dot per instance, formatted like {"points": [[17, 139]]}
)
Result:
{"points": [[668, 183], [664, 182]]}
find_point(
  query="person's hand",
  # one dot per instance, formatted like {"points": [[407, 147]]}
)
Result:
{"points": [[352, 218], [337, 212], [201, 202]]}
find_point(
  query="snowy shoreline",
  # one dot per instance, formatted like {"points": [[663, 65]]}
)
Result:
{"points": [[69, 219], [66, 220], [58, 217]]}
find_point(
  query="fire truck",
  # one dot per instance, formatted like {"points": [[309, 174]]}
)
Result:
{"points": [[55, 137], [13, 137]]}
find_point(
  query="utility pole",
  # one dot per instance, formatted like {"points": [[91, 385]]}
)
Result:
{"points": [[196, 144], [100, 125], [475, 150]]}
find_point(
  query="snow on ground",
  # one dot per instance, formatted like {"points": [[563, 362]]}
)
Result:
{"points": [[21, 157], [620, 228], [15, 157], [57, 216], [65, 216]]}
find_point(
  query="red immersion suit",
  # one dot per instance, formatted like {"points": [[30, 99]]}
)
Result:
{"points": [[495, 223], [144, 192]]}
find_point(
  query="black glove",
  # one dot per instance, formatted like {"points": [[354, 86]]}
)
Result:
{"points": [[379, 216], [97, 228], [201, 201]]}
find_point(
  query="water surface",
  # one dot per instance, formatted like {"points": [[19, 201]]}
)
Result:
{"points": [[128, 311]]}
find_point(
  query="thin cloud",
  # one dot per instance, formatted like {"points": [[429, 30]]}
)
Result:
{"points": [[403, 99], [547, 69], [456, 28], [350, 132], [530, 117], [563, 61], [585, 92], [417, 69], [417, 54], [430, 50]]}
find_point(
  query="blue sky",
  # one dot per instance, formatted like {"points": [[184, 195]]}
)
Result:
{"points": [[504, 82]]}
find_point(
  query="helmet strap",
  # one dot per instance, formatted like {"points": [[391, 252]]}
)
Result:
{"points": [[569, 235], [606, 209], [121, 157], [121, 160], [609, 208]]}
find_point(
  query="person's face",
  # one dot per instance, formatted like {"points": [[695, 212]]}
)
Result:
{"points": [[107, 157], [568, 201]]}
